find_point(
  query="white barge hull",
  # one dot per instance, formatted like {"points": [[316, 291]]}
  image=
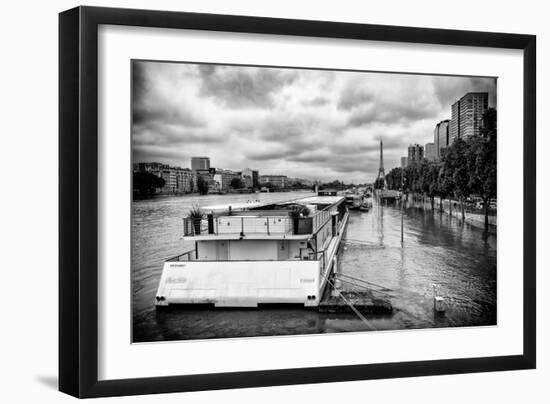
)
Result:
{"points": [[240, 283]]}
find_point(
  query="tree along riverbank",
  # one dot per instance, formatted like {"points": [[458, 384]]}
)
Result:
{"points": [[467, 169]]}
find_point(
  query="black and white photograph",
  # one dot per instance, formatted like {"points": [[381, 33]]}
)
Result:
{"points": [[273, 201]]}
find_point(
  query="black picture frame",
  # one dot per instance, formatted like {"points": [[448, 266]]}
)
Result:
{"points": [[78, 200]]}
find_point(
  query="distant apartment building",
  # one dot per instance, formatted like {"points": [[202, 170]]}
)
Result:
{"points": [[153, 168], [207, 176], [429, 151], [441, 137], [176, 179], [404, 161], [200, 163], [222, 180], [278, 181], [467, 115], [416, 154]]}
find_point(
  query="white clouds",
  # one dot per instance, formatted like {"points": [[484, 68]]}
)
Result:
{"points": [[305, 123]]}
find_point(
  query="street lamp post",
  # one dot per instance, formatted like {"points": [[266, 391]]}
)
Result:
{"points": [[402, 206]]}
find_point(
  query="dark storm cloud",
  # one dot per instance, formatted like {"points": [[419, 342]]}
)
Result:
{"points": [[316, 102], [283, 129], [140, 83], [450, 89], [311, 157], [352, 97], [389, 113], [158, 133], [243, 88], [166, 114], [347, 149], [353, 163], [270, 154], [301, 123], [155, 153]]}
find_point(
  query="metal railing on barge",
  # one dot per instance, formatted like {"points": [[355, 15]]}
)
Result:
{"points": [[312, 256], [242, 224], [186, 256]]}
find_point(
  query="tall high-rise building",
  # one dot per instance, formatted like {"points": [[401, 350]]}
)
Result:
{"points": [[441, 137], [200, 163], [404, 161], [416, 154], [430, 151], [467, 115], [255, 178], [247, 177]]}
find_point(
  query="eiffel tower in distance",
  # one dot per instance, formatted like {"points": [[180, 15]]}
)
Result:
{"points": [[381, 172]]}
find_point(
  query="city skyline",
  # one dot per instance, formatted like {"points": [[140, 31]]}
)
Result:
{"points": [[312, 124]]}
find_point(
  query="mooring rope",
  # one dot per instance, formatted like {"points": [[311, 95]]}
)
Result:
{"points": [[371, 290], [364, 281], [353, 308]]}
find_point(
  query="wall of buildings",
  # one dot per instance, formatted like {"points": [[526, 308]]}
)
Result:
{"points": [[184, 180]]}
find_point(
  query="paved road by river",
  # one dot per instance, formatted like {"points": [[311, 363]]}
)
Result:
{"points": [[437, 249]]}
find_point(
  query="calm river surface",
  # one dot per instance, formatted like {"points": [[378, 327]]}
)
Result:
{"points": [[437, 249]]}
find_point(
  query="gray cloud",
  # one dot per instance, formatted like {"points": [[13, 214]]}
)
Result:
{"points": [[388, 113], [352, 96], [166, 114], [450, 89], [243, 87], [272, 153], [301, 123], [316, 102]]}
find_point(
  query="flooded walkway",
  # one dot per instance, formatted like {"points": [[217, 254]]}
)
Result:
{"points": [[437, 249]]}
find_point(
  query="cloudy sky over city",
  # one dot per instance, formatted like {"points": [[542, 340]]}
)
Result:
{"points": [[310, 124]]}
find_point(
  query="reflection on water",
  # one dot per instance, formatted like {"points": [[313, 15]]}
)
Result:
{"points": [[437, 249]]}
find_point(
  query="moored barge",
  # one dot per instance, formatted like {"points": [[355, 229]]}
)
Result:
{"points": [[249, 254]]}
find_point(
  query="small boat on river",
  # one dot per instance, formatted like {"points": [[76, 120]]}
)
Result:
{"points": [[248, 254], [353, 199], [366, 204]]}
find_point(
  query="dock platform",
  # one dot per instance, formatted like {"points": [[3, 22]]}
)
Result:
{"points": [[364, 301]]}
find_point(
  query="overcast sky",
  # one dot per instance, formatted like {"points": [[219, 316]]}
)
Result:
{"points": [[311, 124]]}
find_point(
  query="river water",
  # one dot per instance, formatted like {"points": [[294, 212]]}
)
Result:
{"points": [[437, 249]]}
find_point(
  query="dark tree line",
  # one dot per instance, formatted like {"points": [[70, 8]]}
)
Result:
{"points": [[236, 183], [467, 167], [145, 184], [202, 185], [379, 183], [336, 184]]}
